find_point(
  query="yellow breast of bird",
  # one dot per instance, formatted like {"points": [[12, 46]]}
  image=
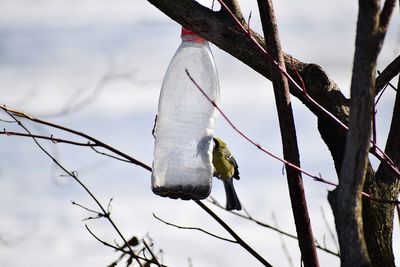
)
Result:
{"points": [[223, 167]]}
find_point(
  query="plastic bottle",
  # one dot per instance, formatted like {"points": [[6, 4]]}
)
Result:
{"points": [[182, 162]]}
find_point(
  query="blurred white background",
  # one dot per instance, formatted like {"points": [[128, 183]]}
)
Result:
{"points": [[56, 55]]}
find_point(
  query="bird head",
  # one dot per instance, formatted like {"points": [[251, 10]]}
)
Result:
{"points": [[219, 143]]}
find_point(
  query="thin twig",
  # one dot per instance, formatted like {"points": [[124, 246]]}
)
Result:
{"points": [[194, 228], [69, 130], [283, 244], [374, 126], [378, 98], [151, 252], [268, 226], [109, 155], [85, 208], [331, 233], [105, 243], [61, 140], [50, 138]]}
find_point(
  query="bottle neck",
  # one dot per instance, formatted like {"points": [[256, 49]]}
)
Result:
{"points": [[193, 38]]}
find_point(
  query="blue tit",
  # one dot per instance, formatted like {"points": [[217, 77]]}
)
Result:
{"points": [[226, 168]]}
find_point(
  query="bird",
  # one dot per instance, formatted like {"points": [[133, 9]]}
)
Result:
{"points": [[225, 169]]}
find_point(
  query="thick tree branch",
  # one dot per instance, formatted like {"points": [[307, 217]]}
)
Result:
{"points": [[288, 134], [217, 27], [346, 199], [378, 219]]}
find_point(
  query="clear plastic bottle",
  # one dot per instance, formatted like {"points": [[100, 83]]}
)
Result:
{"points": [[182, 162]]}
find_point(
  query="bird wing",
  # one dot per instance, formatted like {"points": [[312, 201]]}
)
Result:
{"points": [[232, 160]]}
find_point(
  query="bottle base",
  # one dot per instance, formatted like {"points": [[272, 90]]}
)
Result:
{"points": [[184, 192]]}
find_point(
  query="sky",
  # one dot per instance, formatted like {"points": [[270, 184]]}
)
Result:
{"points": [[97, 67]]}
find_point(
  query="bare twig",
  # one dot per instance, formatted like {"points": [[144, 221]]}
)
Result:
{"points": [[105, 243], [380, 94], [154, 258], [98, 214], [109, 155], [331, 234], [65, 141], [268, 226], [283, 245], [50, 138], [194, 228], [90, 138]]}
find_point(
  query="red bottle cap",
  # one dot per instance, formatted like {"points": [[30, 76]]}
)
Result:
{"points": [[194, 37]]}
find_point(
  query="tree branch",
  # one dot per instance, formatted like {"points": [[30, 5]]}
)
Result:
{"points": [[50, 138], [233, 234], [346, 199], [378, 219], [388, 74], [88, 137], [386, 14], [288, 134]]}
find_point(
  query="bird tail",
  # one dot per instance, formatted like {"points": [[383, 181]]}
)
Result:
{"points": [[232, 201]]}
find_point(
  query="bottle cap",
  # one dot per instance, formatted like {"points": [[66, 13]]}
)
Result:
{"points": [[194, 37]]}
